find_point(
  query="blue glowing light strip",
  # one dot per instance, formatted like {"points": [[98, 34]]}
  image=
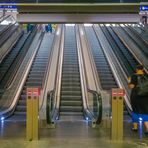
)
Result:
{"points": [[143, 8], [8, 6]]}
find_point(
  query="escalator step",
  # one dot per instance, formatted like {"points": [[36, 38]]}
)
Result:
{"points": [[71, 98], [71, 114], [21, 108], [71, 103], [75, 93], [71, 109]]}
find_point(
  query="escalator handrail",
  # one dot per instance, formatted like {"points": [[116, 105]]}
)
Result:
{"points": [[55, 109], [117, 75], [139, 46], [87, 110], [16, 42], [2, 18], [10, 82], [99, 104], [5, 29], [137, 34], [10, 110], [45, 77], [4, 33], [130, 49], [123, 57], [98, 94], [92, 64], [49, 106]]}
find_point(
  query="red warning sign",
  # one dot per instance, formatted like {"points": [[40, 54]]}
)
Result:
{"points": [[114, 92], [36, 92], [29, 92], [118, 92], [121, 92]]}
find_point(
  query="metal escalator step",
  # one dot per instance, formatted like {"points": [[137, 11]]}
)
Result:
{"points": [[23, 96], [69, 60], [33, 84], [22, 102], [42, 69], [71, 88], [70, 73], [70, 79], [77, 76], [75, 93], [107, 75], [70, 68], [71, 109], [71, 97], [108, 82], [19, 113], [32, 81], [107, 79], [36, 75], [70, 84], [104, 68], [21, 108], [71, 103], [37, 72], [71, 114], [108, 87]]}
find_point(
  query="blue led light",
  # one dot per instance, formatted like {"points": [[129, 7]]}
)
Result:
{"points": [[143, 8], [140, 119], [87, 118], [2, 118], [8, 6]]}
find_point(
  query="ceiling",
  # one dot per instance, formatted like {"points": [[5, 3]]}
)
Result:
{"points": [[73, 1]]}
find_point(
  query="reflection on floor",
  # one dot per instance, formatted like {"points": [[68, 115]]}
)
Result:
{"points": [[68, 134]]}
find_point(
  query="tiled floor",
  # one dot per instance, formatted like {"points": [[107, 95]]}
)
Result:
{"points": [[68, 134]]}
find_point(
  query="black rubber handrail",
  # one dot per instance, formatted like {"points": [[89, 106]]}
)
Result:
{"points": [[5, 35], [99, 105], [49, 106], [138, 35], [26, 45], [55, 111], [145, 52], [2, 18]]}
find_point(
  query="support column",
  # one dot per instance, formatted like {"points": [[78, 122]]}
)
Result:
{"points": [[117, 114], [32, 114]]}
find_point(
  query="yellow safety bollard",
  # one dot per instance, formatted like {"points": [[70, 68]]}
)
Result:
{"points": [[29, 112], [117, 114], [35, 113], [32, 113]]}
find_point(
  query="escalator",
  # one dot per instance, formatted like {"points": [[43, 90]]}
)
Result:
{"points": [[125, 57], [37, 73], [7, 33], [137, 40], [71, 104], [2, 27], [7, 67], [140, 32], [105, 73]]}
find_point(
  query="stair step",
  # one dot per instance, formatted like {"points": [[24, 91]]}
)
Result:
{"points": [[71, 109], [74, 93], [71, 103], [19, 113], [22, 102], [70, 97], [21, 108], [71, 113], [78, 88]]}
